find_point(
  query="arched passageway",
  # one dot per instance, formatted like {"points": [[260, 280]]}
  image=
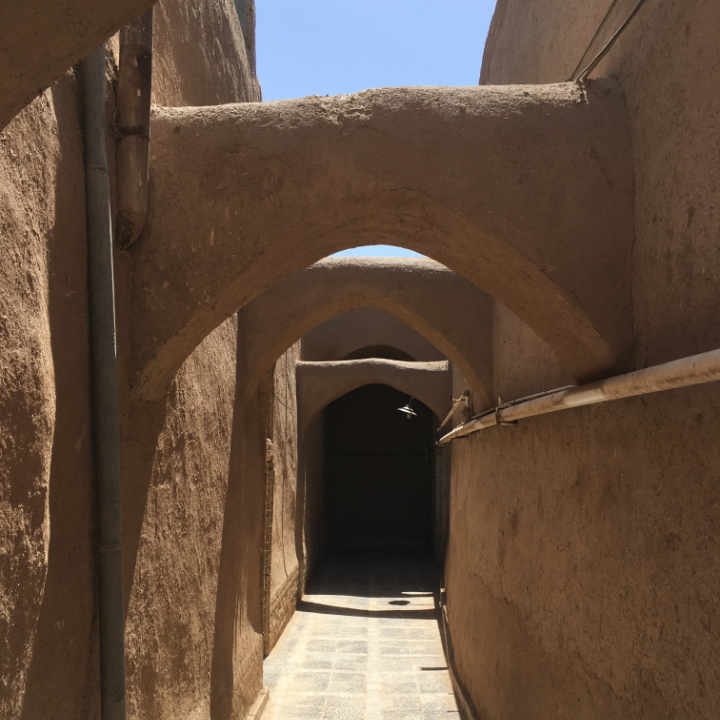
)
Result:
{"points": [[527, 191], [422, 294], [320, 383], [378, 472], [369, 424], [369, 605]]}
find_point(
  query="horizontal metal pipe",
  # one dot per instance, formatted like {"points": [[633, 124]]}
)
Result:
{"points": [[692, 370]]}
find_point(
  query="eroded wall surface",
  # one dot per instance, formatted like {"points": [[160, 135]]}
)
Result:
{"points": [[194, 501], [311, 472], [283, 550], [583, 570], [190, 512], [175, 495], [47, 664]]}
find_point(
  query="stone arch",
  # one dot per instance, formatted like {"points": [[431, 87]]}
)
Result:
{"points": [[422, 294], [527, 191], [319, 383]]}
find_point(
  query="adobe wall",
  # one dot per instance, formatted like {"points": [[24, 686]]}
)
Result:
{"points": [[198, 460], [203, 56], [363, 328], [311, 508], [186, 456], [47, 646], [283, 566], [667, 64], [184, 489], [584, 582]]}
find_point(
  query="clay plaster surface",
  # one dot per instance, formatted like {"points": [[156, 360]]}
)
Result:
{"points": [[183, 63], [591, 589], [319, 383], [583, 564], [360, 330], [528, 194], [40, 40], [195, 472], [282, 554], [47, 662], [667, 64], [172, 592], [422, 293], [178, 453]]}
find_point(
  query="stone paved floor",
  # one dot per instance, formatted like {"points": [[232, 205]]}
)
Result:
{"points": [[363, 645]]}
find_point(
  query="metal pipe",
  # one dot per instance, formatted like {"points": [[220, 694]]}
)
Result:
{"points": [[685, 372], [133, 124], [106, 435]]}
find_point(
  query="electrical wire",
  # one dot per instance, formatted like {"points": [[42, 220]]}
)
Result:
{"points": [[578, 67], [580, 75]]}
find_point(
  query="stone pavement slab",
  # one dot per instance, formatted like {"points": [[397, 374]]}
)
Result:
{"points": [[364, 644]]}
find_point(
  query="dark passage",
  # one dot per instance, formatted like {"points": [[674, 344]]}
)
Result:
{"points": [[378, 472], [365, 641]]}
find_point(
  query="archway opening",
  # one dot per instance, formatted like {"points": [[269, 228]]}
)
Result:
{"points": [[378, 473], [375, 251]]}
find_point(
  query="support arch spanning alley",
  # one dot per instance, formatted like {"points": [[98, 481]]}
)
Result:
{"points": [[443, 307], [351, 334], [319, 383], [527, 191]]}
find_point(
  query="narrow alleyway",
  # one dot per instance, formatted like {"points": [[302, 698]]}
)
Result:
{"points": [[363, 645]]}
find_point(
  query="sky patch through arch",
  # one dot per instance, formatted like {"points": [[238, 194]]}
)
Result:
{"points": [[330, 47]]}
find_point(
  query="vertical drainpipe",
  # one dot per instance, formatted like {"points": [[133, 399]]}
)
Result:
{"points": [[106, 435]]}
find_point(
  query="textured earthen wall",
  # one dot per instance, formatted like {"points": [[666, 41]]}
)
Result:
{"points": [[362, 329], [47, 667], [584, 582], [283, 585], [311, 472], [175, 495], [202, 54], [667, 63], [184, 457], [583, 575], [197, 459]]}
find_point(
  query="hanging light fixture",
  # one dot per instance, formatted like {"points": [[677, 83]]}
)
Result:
{"points": [[407, 410]]}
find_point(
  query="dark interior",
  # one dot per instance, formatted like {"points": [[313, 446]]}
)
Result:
{"points": [[378, 472]]}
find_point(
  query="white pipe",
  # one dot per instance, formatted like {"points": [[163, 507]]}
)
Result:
{"points": [[692, 370]]}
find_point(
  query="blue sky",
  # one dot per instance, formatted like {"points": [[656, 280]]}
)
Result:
{"points": [[328, 47]]}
